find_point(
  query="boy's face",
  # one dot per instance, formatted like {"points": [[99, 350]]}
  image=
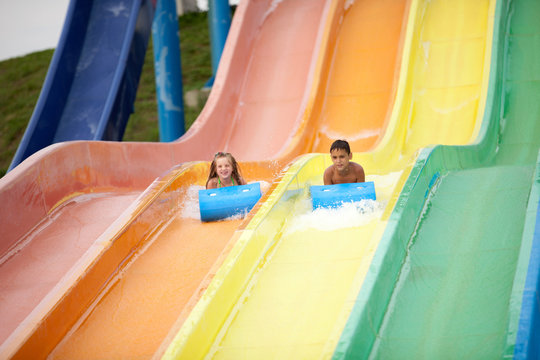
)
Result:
{"points": [[340, 158]]}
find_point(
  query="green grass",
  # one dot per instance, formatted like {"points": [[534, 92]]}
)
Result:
{"points": [[22, 79], [196, 70]]}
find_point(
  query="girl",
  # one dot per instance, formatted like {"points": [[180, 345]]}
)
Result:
{"points": [[224, 171]]}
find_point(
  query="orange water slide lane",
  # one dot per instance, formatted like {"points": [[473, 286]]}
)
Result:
{"points": [[104, 258], [362, 77]]}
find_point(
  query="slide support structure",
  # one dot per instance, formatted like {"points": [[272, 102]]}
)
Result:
{"points": [[219, 22], [168, 69]]}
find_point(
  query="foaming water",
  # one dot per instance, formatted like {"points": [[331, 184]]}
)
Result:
{"points": [[265, 185], [351, 214], [190, 208], [348, 215]]}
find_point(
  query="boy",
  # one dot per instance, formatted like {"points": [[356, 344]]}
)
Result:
{"points": [[343, 170]]}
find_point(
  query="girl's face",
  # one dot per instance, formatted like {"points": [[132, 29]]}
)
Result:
{"points": [[223, 167]]}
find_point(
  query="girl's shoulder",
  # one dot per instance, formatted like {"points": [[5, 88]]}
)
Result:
{"points": [[241, 181], [212, 183]]}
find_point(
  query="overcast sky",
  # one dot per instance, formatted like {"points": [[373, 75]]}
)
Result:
{"points": [[27, 26]]}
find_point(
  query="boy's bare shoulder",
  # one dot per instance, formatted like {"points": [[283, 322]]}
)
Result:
{"points": [[359, 171], [329, 169]]}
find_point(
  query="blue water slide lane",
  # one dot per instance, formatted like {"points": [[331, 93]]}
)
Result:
{"points": [[90, 87], [527, 343]]}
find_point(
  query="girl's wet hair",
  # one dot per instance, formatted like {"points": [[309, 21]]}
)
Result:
{"points": [[340, 145], [236, 175]]}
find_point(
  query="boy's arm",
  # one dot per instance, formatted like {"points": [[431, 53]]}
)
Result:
{"points": [[360, 174], [327, 177]]}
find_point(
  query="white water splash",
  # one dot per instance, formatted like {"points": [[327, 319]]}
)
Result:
{"points": [[190, 207], [351, 214], [265, 185]]}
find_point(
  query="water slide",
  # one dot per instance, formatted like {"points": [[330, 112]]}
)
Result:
{"points": [[96, 260], [451, 272], [90, 87], [289, 284], [142, 218], [108, 327]]}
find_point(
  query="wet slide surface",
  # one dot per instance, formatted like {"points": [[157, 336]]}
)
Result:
{"points": [[454, 294], [137, 311], [311, 265], [24, 283]]}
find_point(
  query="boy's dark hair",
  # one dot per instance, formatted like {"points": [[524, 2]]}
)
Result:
{"points": [[341, 144]]}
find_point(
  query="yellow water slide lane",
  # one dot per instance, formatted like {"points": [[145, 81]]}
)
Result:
{"points": [[303, 269]]}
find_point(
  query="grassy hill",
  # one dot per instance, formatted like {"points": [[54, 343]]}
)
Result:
{"points": [[22, 78]]}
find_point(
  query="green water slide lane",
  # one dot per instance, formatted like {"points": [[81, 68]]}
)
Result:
{"points": [[448, 276]]}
